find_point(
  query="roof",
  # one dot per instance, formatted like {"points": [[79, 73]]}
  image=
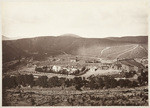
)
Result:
{"points": [[131, 62]]}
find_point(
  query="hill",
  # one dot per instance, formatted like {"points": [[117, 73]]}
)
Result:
{"points": [[131, 39], [70, 35], [40, 47], [125, 51], [5, 38]]}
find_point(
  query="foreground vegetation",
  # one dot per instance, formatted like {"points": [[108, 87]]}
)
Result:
{"points": [[83, 94], [70, 97]]}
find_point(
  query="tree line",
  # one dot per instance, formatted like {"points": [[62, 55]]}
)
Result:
{"points": [[93, 82]]}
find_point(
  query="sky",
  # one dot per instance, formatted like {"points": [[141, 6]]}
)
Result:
{"points": [[86, 18]]}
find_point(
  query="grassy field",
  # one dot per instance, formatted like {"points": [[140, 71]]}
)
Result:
{"points": [[100, 72], [31, 70], [71, 97]]}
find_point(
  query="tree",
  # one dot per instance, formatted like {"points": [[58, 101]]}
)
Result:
{"points": [[124, 83], [83, 68], [85, 82], [128, 83], [134, 84], [78, 87], [38, 69], [42, 81], [68, 82], [62, 81], [113, 83], [32, 101], [4, 99], [25, 80], [143, 78], [121, 82], [92, 84], [107, 82], [54, 82], [13, 81], [140, 80], [77, 72], [29, 79], [9, 82], [77, 81], [19, 79]]}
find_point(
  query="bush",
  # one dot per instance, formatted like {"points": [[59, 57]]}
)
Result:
{"points": [[9, 82]]}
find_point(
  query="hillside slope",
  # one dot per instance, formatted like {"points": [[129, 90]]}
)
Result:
{"points": [[125, 51], [75, 45]]}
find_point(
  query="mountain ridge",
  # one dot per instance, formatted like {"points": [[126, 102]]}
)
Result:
{"points": [[54, 46]]}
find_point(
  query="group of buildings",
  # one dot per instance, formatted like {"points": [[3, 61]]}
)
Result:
{"points": [[125, 65], [57, 69]]}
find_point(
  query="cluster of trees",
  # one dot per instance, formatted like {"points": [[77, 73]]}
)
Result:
{"points": [[143, 78], [130, 74], [93, 61], [14, 81], [44, 81], [110, 82], [42, 69], [94, 82]]}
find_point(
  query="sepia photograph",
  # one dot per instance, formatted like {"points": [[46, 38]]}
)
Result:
{"points": [[74, 53]]}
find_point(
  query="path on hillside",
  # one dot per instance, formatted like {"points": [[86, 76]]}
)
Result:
{"points": [[143, 48], [128, 51], [121, 50], [104, 50]]}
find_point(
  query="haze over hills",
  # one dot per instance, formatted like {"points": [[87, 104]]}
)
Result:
{"points": [[109, 48]]}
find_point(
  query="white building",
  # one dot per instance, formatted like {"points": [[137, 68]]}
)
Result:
{"points": [[56, 68], [93, 69], [67, 69], [72, 60], [73, 70]]}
